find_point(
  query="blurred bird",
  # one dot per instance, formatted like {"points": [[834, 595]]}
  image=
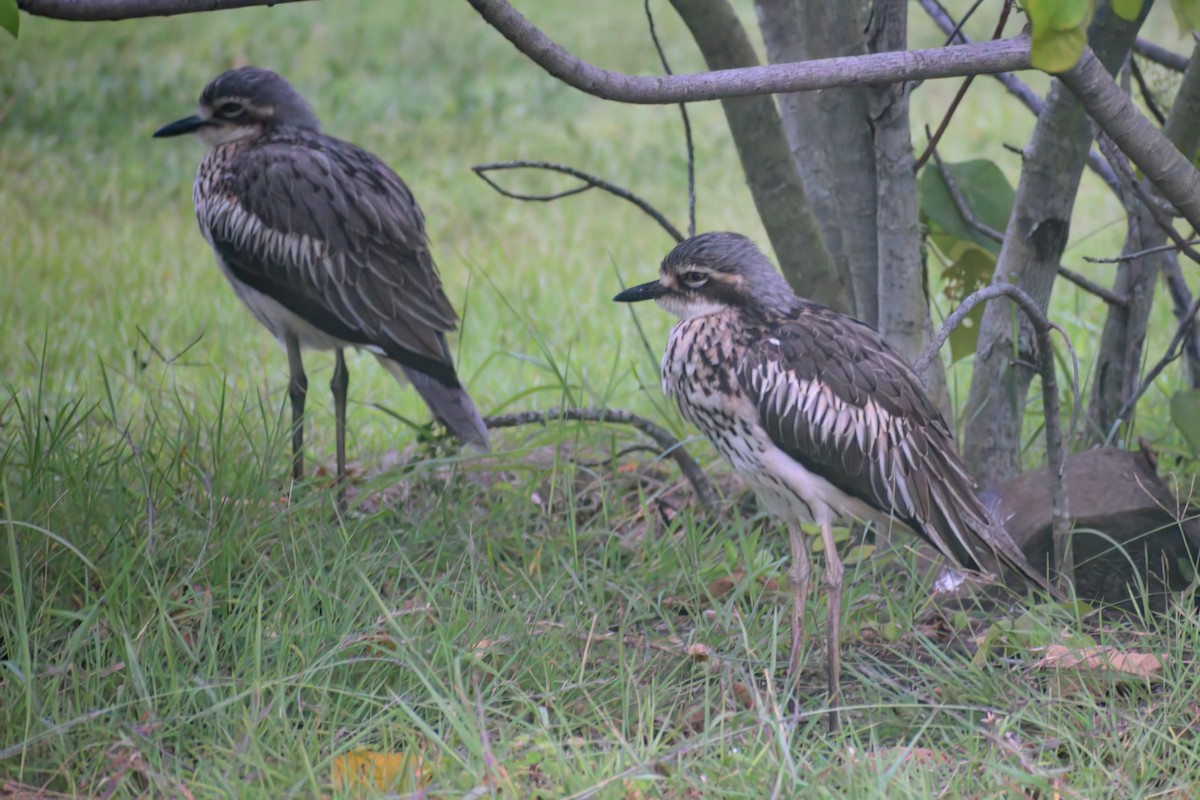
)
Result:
{"points": [[325, 245], [818, 414]]}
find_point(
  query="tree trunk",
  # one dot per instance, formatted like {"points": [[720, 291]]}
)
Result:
{"points": [[903, 301], [1036, 236], [770, 169], [1119, 361], [830, 136]]}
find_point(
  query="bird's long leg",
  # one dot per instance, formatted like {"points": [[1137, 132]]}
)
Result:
{"points": [[799, 576], [833, 597], [297, 390], [338, 384]]}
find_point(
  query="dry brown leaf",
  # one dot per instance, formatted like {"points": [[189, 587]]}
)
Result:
{"points": [[744, 695], [1143, 665], [698, 652]]}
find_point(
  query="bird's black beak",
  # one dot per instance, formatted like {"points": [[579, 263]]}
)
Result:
{"points": [[180, 126], [646, 291]]}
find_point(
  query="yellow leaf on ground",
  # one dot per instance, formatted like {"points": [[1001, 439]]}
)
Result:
{"points": [[391, 772], [1143, 665]]}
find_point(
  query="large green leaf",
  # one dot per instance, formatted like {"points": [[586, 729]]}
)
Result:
{"points": [[1185, 413], [1059, 32], [1187, 14], [1127, 9], [988, 196], [972, 270], [10, 18], [971, 255]]}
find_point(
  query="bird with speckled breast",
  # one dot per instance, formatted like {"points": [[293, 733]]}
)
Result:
{"points": [[325, 245], [818, 414]]}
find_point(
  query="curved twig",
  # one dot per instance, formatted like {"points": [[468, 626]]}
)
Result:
{"points": [[111, 10], [590, 182], [687, 125], [1005, 55], [671, 446], [1055, 442]]}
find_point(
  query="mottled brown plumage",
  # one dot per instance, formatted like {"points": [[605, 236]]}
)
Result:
{"points": [[324, 243], [816, 412]]}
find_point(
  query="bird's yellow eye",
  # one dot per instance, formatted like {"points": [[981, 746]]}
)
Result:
{"points": [[695, 278], [230, 110]]}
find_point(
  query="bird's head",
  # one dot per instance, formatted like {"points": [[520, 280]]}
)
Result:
{"points": [[712, 272], [241, 103]]}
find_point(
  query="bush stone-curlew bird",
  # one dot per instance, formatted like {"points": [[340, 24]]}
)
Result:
{"points": [[325, 245], [818, 414]]}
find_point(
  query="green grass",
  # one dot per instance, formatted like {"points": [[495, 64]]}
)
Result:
{"points": [[169, 623]]}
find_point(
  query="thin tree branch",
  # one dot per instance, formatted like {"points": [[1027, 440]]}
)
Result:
{"points": [[1181, 299], [1005, 55], [1149, 251], [1020, 90], [1160, 55], [964, 210], [1088, 285], [110, 10], [1147, 95], [687, 126], [1055, 442], [966, 84], [671, 446], [590, 182]]}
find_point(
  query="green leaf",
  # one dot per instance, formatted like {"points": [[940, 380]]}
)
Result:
{"points": [[971, 254], [970, 271], [1127, 9], [986, 192], [1187, 14], [1185, 413], [1059, 32], [10, 18]]}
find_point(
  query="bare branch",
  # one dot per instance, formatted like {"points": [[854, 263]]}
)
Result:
{"points": [[110, 10], [1147, 95], [590, 182], [687, 125], [1160, 55], [1107, 295], [1149, 251], [1005, 55], [671, 446], [1055, 442]]}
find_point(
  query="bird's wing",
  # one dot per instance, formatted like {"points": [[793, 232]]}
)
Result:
{"points": [[332, 233], [835, 397]]}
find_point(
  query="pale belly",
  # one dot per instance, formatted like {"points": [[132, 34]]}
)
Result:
{"points": [[282, 322]]}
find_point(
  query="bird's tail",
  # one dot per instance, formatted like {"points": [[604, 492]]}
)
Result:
{"points": [[975, 533], [451, 406]]}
